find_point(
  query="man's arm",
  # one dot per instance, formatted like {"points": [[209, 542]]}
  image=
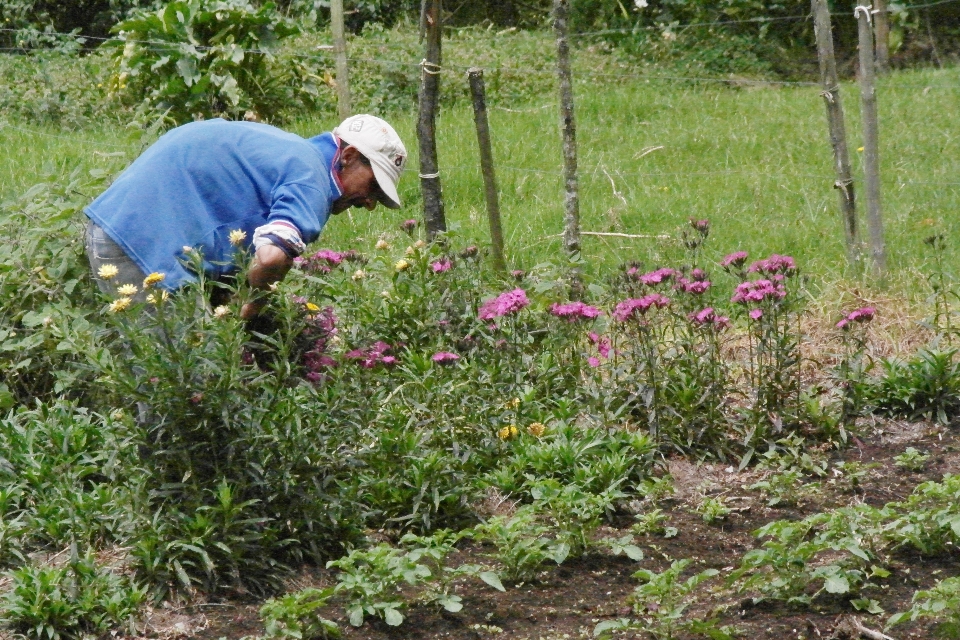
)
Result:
{"points": [[270, 265]]}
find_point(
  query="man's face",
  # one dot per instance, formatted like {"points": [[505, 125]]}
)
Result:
{"points": [[360, 188]]}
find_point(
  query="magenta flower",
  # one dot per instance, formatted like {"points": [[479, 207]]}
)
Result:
{"points": [[774, 264], [602, 342], [698, 274], [372, 356], [703, 226], [758, 291], [658, 276], [575, 311], [333, 257], [708, 317], [518, 274], [593, 362], [441, 265], [756, 314], [445, 357], [639, 306], [388, 360], [504, 304], [736, 259], [409, 225], [864, 314], [696, 287]]}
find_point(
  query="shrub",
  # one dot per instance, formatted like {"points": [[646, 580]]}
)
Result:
{"points": [[205, 58], [925, 386]]}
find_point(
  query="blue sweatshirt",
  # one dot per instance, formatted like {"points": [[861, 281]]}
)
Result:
{"points": [[203, 180]]}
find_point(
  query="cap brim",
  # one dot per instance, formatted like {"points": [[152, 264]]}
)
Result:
{"points": [[390, 199]]}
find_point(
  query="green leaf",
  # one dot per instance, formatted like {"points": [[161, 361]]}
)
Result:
{"points": [[491, 579], [356, 616], [611, 625], [868, 605], [836, 583], [392, 617], [633, 552]]}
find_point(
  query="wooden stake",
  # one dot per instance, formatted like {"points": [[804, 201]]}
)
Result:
{"points": [[571, 228], [427, 123], [881, 28], [486, 165], [340, 55], [871, 154], [838, 130]]}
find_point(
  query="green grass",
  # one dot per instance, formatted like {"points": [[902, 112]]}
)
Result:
{"points": [[755, 161]]}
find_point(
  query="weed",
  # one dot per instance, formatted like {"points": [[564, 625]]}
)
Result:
{"points": [[713, 509], [911, 460], [925, 386], [295, 616], [941, 603], [786, 488]]}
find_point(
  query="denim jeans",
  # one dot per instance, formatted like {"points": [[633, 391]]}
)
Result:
{"points": [[102, 250]]}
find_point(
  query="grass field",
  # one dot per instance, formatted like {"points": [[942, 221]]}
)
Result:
{"points": [[754, 160]]}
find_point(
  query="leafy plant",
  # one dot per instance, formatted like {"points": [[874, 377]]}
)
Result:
{"points": [[295, 615], [523, 544], [911, 459], [713, 509], [941, 603], [785, 488], [925, 386], [207, 58], [661, 602]]}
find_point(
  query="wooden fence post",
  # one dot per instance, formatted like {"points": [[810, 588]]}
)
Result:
{"points": [[427, 123], [838, 130], [881, 25], [486, 165], [871, 155], [340, 55], [571, 228]]}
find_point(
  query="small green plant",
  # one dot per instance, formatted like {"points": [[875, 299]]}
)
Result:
{"points": [[925, 386], [661, 602], [941, 603], [851, 473], [713, 509], [623, 545], [911, 460], [652, 523], [295, 615], [523, 544], [786, 488], [71, 601]]}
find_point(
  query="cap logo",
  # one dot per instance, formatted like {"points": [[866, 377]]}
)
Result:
{"points": [[356, 125], [398, 160]]}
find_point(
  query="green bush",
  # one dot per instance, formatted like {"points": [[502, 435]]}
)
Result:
{"points": [[925, 386], [205, 58]]}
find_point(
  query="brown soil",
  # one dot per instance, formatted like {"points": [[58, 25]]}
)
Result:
{"points": [[572, 598]]}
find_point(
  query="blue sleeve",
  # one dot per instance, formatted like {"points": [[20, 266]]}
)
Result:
{"points": [[306, 207]]}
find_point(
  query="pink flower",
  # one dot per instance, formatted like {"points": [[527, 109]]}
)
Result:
{"points": [[703, 226], [574, 311], [441, 265], [843, 323], [388, 360], [658, 276], [333, 257], [756, 314], [593, 362], [698, 275], [445, 357], [734, 259], [634, 306], [696, 287], [758, 291], [504, 304], [708, 317], [518, 274], [864, 314], [602, 342], [409, 225], [774, 264]]}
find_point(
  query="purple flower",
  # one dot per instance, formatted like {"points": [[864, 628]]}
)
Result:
{"points": [[441, 265], [658, 276], [734, 259], [758, 291], [708, 317], [445, 357], [372, 356], [593, 362], [756, 314], [333, 257], [409, 225], [634, 306], [574, 311], [774, 264], [864, 314], [470, 252], [698, 275], [504, 304], [703, 226], [518, 274], [388, 360], [695, 287]]}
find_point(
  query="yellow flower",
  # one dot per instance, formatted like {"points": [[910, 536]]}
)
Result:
{"points": [[513, 404], [860, 149], [117, 414], [508, 432], [382, 245], [127, 290], [359, 274], [536, 429], [119, 305], [237, 236], [153, 279], [221, 312], [409, 251], [312, 307], [401, 265], [158, 297], [108, 271], [419, 244]]}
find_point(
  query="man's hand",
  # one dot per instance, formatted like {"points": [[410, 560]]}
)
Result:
{"points": [[270, 265]]}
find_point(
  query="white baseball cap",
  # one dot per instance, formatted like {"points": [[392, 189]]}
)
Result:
{"points": [[381, 145]]}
